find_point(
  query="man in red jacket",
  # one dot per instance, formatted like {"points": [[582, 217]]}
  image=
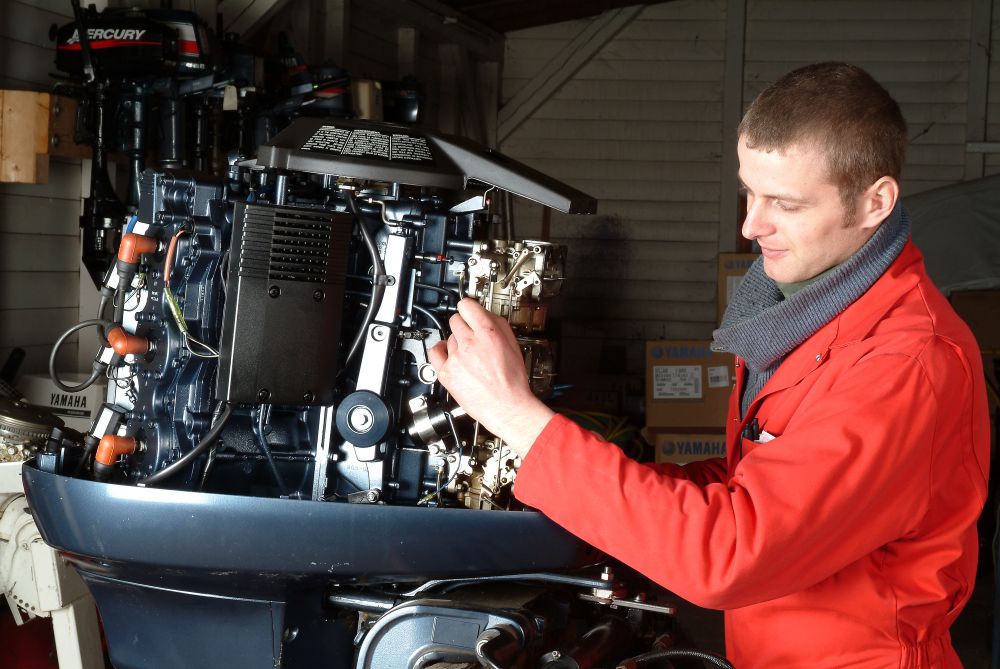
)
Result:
{"points": [[840, 530]]}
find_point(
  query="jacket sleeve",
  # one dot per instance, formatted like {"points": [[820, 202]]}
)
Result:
{"points": [[849, 474], [702, 472]]}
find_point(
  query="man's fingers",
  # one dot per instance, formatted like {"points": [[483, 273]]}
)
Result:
{"points": [[475, 316], [459, 328], [437, 355], [479, 319]]}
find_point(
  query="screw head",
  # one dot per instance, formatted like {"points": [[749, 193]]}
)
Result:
{"points": [[263, 394], [274, 291], [319, 295], [308, 397]]}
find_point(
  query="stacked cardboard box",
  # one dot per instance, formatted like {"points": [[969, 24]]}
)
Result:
{"points": [[732, 267], [688, 385], [687, 397]]}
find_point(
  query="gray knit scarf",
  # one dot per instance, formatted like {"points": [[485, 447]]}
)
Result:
{"points": [[762, 327]]}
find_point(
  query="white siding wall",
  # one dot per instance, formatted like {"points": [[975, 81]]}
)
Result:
{"points": [[39, 228], [640, 128]]}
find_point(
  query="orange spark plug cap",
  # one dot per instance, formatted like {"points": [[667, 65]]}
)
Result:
{"points": [[112, 446], [127, 344], [133, 246]]}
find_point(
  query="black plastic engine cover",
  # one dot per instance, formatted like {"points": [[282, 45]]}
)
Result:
{"points": [[284, 302], [121, 45]]}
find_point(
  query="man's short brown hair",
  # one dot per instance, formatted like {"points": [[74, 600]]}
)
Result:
{"points": [[840, 109]]}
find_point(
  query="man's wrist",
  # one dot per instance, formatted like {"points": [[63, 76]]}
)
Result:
{"points": [[523, 428]]}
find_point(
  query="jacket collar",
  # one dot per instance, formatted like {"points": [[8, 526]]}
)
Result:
{"points": [[851, 325]]}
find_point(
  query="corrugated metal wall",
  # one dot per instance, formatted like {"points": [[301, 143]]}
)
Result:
{"points": [[39, 229], [640, 127]]}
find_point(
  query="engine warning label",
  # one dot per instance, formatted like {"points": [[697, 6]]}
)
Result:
{"points": [[671, 382], [372, 144]]}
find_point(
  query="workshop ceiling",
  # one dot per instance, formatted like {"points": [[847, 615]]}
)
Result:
{"points": [[507, 15]]}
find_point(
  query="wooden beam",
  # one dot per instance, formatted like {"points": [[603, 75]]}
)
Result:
{"points": [[979, 80], [732, 113], [438, 22], [406, 51], [247, 16], [332, 41], [488, 84], [206, 9], [470, 100], [562, 67], [449, 56], [24, 137]]}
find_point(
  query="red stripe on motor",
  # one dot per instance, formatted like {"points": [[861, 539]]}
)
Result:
{"points": [[107, 44]]}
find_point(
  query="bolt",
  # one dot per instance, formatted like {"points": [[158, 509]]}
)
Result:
{"points": [[308, 397], [360, 418], [379, 333], [263, 394], [319, 295], [372, 496], [274, 291]]}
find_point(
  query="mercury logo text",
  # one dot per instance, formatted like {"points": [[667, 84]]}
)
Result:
{"points": [[108, 33]]}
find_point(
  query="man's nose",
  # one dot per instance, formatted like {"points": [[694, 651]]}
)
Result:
{"points": [[755, 224]]}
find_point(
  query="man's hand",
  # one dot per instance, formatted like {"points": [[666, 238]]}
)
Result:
{"points": [[482, 367]]}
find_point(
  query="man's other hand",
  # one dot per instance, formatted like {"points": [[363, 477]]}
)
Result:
{"points": [[482, 366]]}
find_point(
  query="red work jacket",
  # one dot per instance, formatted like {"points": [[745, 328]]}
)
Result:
{"points": [[847, 540]]}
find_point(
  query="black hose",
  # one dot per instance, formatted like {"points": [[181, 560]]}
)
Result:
{"points": [[203, 445], [451, 294], [431, 317], [98, 368], [121, 297], [652, 656], [496, 645], [378, 285], [258, 430]]}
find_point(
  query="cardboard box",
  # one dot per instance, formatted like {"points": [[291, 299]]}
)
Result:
{"points": [[732, 267], [683, 448], [76, 409], [687, 385]]}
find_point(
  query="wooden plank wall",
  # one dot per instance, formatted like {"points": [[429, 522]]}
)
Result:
{"points": [[992, 160], [640, 128], [917, 49], [39, 226]]}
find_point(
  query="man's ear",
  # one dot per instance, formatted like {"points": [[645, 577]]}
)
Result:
{"points": [[877, 202]]}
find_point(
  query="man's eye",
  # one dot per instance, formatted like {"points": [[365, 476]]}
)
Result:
{"points": [[784, 206]]}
